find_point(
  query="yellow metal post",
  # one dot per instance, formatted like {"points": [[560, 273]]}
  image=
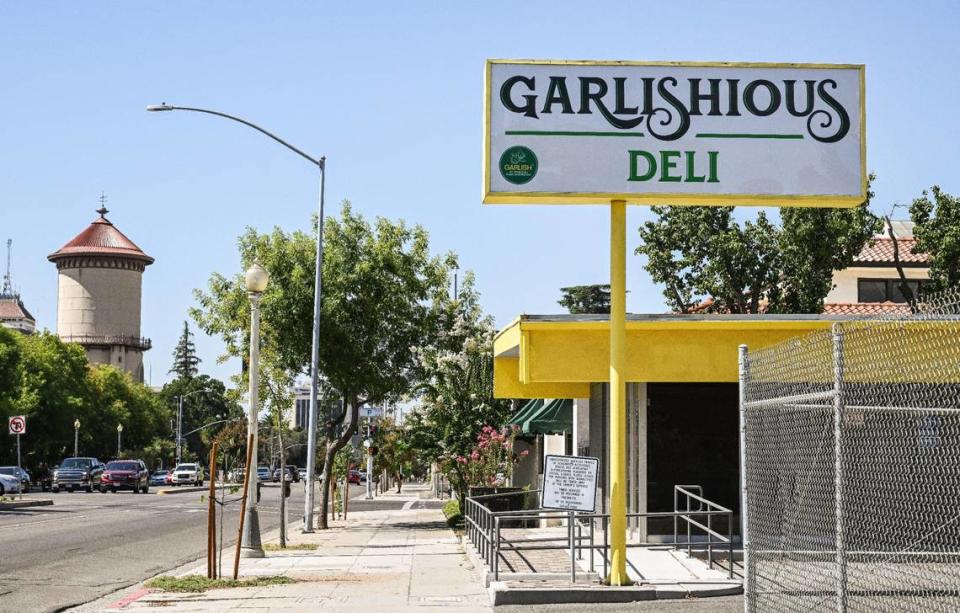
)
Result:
{"points": [[618, 404]]}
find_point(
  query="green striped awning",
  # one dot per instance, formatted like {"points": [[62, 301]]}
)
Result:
{"points": [[525, 412], [555, 417]]}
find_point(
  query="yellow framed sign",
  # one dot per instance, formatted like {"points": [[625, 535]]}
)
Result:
{"points": [[674, 133]]}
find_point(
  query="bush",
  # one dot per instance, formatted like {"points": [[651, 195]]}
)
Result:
{"points": [[451, 510]]}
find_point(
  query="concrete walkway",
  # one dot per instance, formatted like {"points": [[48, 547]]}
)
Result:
{"points": [[389, 561]]}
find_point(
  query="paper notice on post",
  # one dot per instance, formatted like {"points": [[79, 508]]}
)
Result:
{"points": [[570, 483]]}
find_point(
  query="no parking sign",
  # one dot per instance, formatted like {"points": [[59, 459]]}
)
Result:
{"points": [[18, 424]]}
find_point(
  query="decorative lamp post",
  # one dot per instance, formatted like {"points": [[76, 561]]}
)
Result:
{"points": [[76, 436], [119, 434], [256, 281]]}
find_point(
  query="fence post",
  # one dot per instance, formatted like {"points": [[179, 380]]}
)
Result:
{"points": [[744, 376], [573, 560], [496, 549], [838, 473]]}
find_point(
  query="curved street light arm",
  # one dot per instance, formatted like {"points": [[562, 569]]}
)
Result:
{"points": [[169, 107], [212, 423]]}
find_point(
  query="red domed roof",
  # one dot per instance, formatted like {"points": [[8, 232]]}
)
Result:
{"points": [[101, 238]]}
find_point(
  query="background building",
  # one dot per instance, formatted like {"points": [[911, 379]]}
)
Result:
{"points": [[12, 312], [98, 296], [872, 284]]}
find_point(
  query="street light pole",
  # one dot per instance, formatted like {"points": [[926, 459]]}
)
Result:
{"points": [[179, 426], [321, 164], [256, 281], [119, 433], [76, 436]]}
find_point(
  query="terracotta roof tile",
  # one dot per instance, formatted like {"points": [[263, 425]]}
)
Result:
{"points": [[880, 250], [12, 308], [865, 308], [101, 238]]}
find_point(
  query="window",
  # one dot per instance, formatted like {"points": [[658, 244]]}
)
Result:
{"points": [[886, 290]]}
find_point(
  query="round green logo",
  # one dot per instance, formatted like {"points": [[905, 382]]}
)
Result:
{"points": [[518, 165]]}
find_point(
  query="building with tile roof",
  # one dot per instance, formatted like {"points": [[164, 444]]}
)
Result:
{"points": [[871, 286], [99, 293], [13, 314]]}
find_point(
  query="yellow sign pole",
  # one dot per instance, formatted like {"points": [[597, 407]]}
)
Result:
{"points": [[618, 395]]}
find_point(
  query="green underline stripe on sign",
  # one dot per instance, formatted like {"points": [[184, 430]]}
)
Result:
{"points": [[568, 133], [781, 136]]}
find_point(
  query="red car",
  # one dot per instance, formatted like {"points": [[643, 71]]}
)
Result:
{"points": [[125, 475], [354, 477]]}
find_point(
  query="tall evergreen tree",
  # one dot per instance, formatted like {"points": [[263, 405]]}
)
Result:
{"points": [[185, 358]]}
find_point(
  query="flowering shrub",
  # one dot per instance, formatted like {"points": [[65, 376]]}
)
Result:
{"points": [[491, 460]]}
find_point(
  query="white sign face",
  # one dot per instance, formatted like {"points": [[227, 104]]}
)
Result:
{"points": [[371, 411], [570, 483], [674, 133], [18, 424]]}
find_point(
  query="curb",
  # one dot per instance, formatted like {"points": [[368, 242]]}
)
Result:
{"points": [[194, 488], [538, 592], [21, 504]]}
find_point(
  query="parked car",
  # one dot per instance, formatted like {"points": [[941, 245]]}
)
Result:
{"points": [[125, 475], [9, 485], [78, 473], [354, 477], [263, 473], [275, 474], [292, 473], [188, 474], [43, 477], [160, 477], [363, 476], [20, 473], [302, 473]]}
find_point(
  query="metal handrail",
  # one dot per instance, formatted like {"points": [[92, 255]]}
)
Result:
{"points": [[483, 528]]}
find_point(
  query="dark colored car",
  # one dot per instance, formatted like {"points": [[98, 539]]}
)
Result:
{"points": [[78, 473], [292, 473], [125, 475]]}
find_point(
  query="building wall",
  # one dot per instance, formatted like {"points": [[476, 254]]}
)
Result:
{"points": [[98, 301], [845, 281]]}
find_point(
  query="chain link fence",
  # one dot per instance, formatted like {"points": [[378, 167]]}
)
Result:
{"points": [[851, 457]]}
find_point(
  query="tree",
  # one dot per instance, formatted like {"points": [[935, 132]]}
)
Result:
{"points": [[937, 231], [185, 358], [589, 299], [456, 400], [206, 400], [708, 260], [380, 285]]}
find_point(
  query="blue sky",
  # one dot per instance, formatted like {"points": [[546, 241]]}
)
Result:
{"points": [[392, 94]]}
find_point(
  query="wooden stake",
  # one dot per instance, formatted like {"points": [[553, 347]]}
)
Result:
{"points": [[243, 507], [212, 517]]}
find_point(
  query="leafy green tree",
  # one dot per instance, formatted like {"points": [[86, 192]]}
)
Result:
{"points": [[937, 232], [704, 257], [380, 285], [587, 299], [9, 361], [206, 400], [185, 360], [456, 401]]}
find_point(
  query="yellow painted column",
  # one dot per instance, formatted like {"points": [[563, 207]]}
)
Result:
{"points": [[618, 394]]}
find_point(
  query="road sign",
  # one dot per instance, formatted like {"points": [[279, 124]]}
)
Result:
{"points": [[570, 483], [371, 411], [18, 424], [674, 133]]}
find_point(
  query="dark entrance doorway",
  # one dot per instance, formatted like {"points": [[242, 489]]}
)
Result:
{"points": [[693, 438]]}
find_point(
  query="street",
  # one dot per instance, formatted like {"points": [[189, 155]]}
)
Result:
{"points": [[88, 545]]}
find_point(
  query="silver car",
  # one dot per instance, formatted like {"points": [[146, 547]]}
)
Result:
{"points": [[9, 485]]}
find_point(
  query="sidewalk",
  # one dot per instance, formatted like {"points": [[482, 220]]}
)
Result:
{"points": [[391, 561]]}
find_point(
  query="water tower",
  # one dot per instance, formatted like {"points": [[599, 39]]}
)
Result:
{"points": [[98, 297]]}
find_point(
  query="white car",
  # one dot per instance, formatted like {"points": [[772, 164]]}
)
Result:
{"points": [[187, 474], [9, 485]]}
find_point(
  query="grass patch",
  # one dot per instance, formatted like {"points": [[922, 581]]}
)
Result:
{"points": [[290, 547], [451, 510], [199, 583]]}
